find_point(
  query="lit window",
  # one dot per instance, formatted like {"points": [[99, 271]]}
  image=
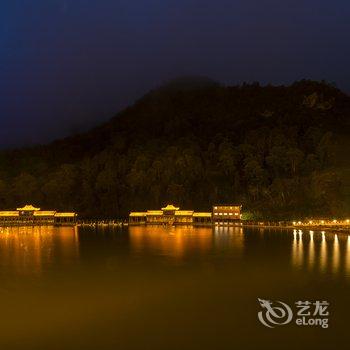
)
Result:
{"points": [[220, 213]]}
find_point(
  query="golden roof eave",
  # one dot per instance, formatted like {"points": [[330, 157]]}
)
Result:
{"points": [[184, 213], [45, 213], [170, 207], [206, 215], [9, 213], [65, 215], [28, 207], [154, 212]]}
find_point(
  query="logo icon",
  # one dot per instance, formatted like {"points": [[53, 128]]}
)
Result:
{"points": [[274, 313]]}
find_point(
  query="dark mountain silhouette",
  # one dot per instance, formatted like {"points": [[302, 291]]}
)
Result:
{"points": [[280, 151], [188, 83]]}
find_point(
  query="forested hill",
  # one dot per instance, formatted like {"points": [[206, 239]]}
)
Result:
{"points": [[277, 150]]}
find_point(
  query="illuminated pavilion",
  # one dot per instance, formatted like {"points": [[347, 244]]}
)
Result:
{"points": [[170, 215], [30, 215], [229, 214]]}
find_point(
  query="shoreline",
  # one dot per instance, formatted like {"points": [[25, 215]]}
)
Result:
{"points": [[336, 229], [330, 229]]}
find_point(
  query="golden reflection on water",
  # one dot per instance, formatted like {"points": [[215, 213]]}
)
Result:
{"points": [[323, 253], [170, 241], [25, 250], [336, 254], [229, 238], [311, 250], [327, 252], [179, 241], [347, 262], [297, 248]]}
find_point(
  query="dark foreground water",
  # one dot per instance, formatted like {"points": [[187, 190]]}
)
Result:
{"points": [[168, 288]]}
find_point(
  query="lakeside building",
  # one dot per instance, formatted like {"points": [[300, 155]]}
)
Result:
{"points": [[227, 214], [30, 215], [171, 215]]}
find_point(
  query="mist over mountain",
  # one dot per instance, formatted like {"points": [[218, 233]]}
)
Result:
{"points": [[281, 151]]}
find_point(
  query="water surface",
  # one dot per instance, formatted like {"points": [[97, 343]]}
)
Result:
{"points": [[167, 288]]}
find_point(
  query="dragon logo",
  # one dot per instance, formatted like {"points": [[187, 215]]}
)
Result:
{"points": [[272, 316]]}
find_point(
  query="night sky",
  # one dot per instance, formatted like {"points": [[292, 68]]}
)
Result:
{"points": [[69, 65]]}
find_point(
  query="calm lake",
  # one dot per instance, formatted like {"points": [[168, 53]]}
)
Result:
{"points": [[168, 288]]}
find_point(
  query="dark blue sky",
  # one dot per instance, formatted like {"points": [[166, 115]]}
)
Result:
{"points": [[66, 64]]}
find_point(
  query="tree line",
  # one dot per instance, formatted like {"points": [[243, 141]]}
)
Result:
{"points": [[271, 149]]}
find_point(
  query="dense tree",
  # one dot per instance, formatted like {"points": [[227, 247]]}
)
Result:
{"points": [[273, 149]]}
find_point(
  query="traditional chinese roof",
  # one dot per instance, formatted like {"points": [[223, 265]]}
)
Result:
{"points": [[28, 207], [184, 213], [154, 212], [9, 213], [202, 215], [45, 213], [137, 214], [65, 215], [170, 207]]}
